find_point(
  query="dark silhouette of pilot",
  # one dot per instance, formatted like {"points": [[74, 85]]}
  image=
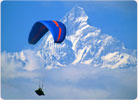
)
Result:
{"points": [[40, 91]]}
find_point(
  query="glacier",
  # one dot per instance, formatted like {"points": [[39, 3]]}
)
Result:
{"points": [[84, 44]]}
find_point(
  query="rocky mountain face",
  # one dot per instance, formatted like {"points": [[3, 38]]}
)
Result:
{"points": [[84, 44]]}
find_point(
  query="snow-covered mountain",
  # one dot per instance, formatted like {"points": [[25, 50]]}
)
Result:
{"points": [[84, 44]]}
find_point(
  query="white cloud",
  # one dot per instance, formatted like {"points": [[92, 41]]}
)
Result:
{"points": [[32, 61], [92, 82], [73, 81], [13, 68], [69, 92]]}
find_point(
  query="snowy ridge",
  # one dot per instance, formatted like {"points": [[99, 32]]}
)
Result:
{"points": [[84, 44]]}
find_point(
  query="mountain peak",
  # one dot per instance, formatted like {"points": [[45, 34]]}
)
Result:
{"points": [[76, 14], [78, 11], [85, 44]]}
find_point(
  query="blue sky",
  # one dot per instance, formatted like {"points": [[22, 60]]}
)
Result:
{"points": [[117, 19], [20, 77]]}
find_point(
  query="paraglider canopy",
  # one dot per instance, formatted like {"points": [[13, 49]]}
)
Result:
{"points": [[57, 29]]}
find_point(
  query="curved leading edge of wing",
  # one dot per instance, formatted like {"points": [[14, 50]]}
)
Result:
{"points": [[38, 30]]}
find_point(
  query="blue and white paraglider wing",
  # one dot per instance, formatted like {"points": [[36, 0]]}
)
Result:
{"points": [[40, 28]]}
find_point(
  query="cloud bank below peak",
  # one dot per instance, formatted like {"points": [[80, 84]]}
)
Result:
{"points": [[69, 82]]}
